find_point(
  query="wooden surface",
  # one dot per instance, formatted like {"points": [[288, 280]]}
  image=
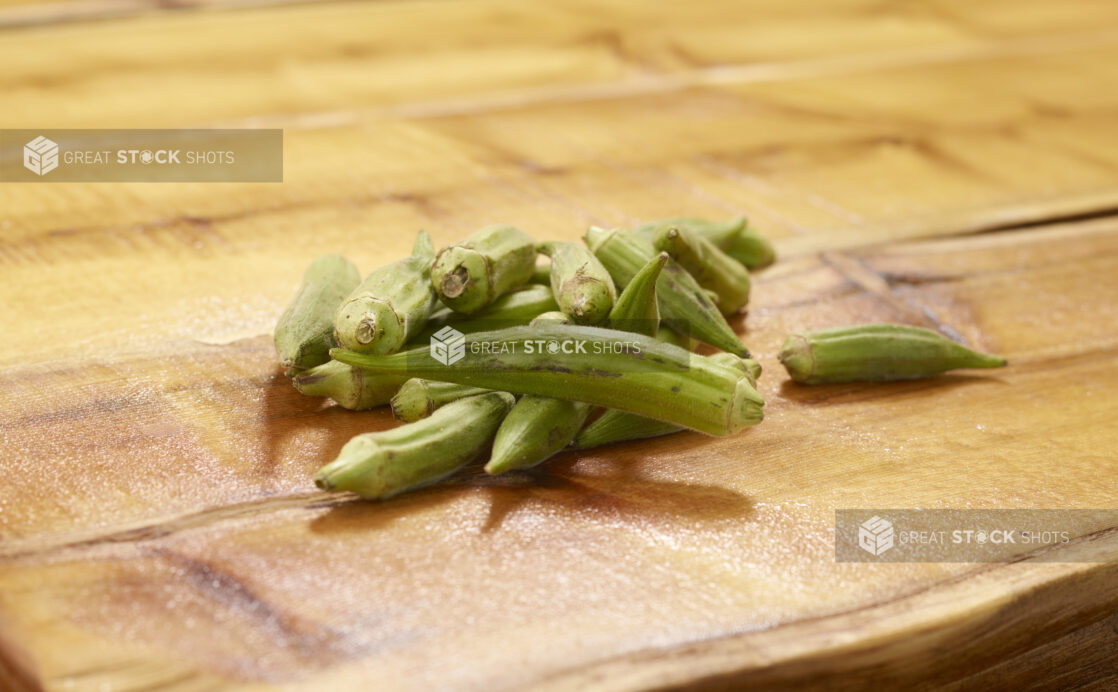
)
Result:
{"points": [[947, 163]]}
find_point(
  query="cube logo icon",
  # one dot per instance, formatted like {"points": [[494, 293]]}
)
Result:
{"points": [[448, 346], [875, 535], [40, 155]]}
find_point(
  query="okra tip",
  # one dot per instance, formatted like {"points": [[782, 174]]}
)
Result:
{"points": [[748, 406], [348, 470]]}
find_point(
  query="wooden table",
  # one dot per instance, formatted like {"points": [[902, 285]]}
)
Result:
{"points": [[949, 163]]}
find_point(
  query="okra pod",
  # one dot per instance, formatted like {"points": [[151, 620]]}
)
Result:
{"points": [[618, 426], [734, 237], [537, 426], [721, 233], [349, 387], [875, 352], [304, 334], [512, 309], [582, 286], [603, 367], [712, 268], [382, 464], [390, 305], [637, 308], [535, 429], [418, 398], [471, 274], [683, 303]]}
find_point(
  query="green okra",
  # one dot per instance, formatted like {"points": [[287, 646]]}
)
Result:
{"points": [[751, 249], [637, 308], [471, 274], [683, 303], [721, 233], [512, 309], [541, 274], [875, 352], [582, 286], [390, 305], [304, 334], [537, 426], [418, 398], [382, 464], [712, 268], [618, 426], [349, 387], [534, 430], [604, 367], [734, 237]]}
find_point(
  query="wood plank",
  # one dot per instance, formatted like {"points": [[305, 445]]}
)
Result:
{"points": [[639, 550], [817, 170]]}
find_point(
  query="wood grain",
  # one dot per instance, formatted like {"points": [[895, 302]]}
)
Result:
{"points": [[157, 524]]}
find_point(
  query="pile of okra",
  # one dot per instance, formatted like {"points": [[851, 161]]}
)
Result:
{"points": [[632, 304]]}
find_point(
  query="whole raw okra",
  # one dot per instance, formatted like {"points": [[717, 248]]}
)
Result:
{"points": [[637, 308], [604, 367], [582, 286], [471, 274], [875, 352], [734, 237], [512, 309], [304, 334], [390, 305], [712, 268], [537, 426], [418, 398], [619, 426], [382, 464], [682, 301], [349, 387]]}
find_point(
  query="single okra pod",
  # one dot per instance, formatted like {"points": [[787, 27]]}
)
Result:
{"points": [[534, 430], [390, 305], [382, 464], [473, 273], [305, 332], [721, 233], [537, 426], [682, 301], [582, 286], [874, 352], [418, 398], [349, 387], [618, 426], [735, 237], [604, 367], [712, 268], [637, 308], [751, 249], [512, 309]]}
